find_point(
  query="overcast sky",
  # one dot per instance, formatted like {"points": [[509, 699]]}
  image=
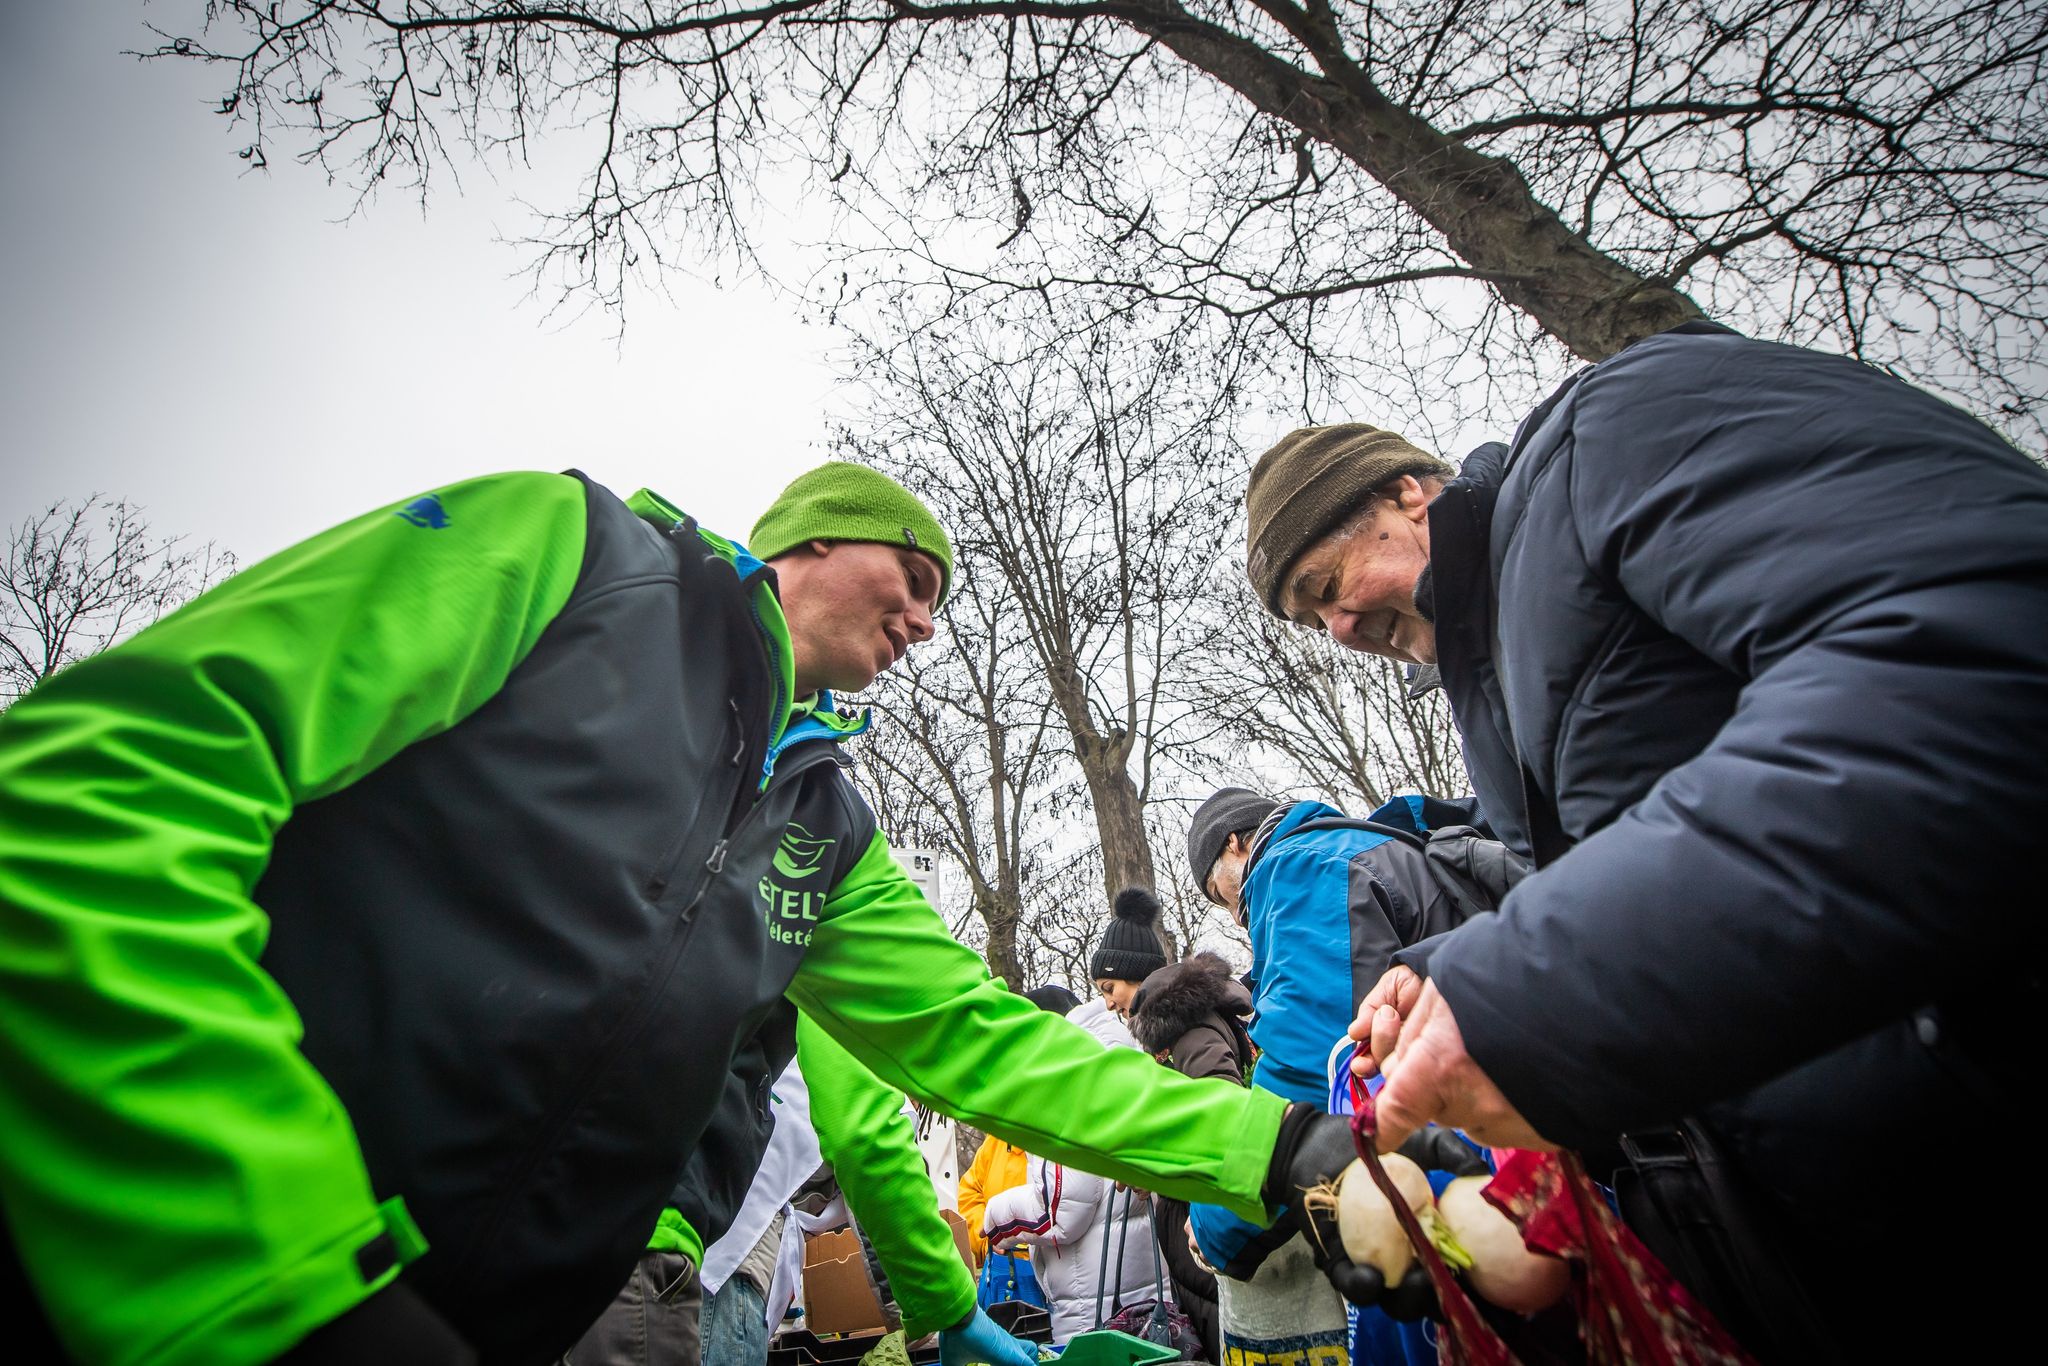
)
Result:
{"points": [[225, 349]]}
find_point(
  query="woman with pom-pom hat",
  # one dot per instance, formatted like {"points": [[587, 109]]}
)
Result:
{"points": [[1130, 950]]}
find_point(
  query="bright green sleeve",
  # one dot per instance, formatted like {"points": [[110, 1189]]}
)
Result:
{"points": [[884, 977], [179, 1183], [868, 1140]]}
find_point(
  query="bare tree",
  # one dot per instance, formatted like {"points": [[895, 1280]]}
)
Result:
{"points": [[1066, 921], [1081, 469], [959, 761], [1392, 188], [80, 576], [1292, 704], [1189, 919]]}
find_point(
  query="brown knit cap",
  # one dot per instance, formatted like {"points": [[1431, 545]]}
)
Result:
{"points": [[1311, 481]]}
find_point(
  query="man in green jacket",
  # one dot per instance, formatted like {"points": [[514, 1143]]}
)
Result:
{"points": [[377, 931]]}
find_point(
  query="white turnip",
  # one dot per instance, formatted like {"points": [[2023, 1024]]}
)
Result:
{"points": [[1503, 1270], [1371, 1235]]}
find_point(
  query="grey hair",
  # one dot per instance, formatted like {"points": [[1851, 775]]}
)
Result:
{"points": [[1361, 515]]}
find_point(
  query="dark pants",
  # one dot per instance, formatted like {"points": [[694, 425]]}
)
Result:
{"points": [[653, 1322]]}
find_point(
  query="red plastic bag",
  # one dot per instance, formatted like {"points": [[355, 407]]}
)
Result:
{"points": [[1632, 1311]]}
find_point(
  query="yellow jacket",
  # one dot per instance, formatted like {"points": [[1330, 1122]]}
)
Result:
{"points": [[996, 1167]]}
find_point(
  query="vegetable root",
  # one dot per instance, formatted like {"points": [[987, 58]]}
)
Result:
{"points": [[1366, 1224], [1503, 1271]]}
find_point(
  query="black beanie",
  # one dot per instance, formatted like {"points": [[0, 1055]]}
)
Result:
{"points": [[1053, 997], [1130, 950], [1227, 811]]}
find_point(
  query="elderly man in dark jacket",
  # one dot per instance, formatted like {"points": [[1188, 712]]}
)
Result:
{"points": [[1749, 648]]}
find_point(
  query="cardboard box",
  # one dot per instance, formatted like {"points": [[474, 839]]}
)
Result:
{"points": [[959, 1227], [838, 1297]]}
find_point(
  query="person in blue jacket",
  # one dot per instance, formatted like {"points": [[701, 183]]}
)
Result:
{"points": [[1326, 901]]}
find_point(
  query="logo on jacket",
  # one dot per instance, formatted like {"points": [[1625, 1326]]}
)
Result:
{"points": [[793, 912], [800, 852], [426, 512]]}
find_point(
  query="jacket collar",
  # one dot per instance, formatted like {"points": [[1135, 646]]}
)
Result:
{"points": [[816, 717], [1461, 565], [1278, 824], [793, 720]]}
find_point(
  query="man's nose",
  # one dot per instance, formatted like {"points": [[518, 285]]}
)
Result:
{"points": [[918, 621]]}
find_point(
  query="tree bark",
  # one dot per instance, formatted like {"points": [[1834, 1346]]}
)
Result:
{"points": [[1119, 814], [1485, 210], [999, 914], [1104, 760]]}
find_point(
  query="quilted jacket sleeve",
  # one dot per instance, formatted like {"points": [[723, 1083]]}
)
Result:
{"points": [[1872, 564]]}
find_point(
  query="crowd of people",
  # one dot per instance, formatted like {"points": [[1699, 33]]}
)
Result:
{"points": [[421, 936]]}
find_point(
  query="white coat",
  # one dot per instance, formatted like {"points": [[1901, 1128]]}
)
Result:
{"points": [[1065, 1216]]}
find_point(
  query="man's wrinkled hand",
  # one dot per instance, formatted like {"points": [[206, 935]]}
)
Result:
{"points": [[1381, 1015], [1432, 1079], [977, 1341]]}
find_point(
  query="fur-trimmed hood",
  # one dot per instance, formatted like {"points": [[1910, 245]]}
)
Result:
{"points": [[1181, 995]]}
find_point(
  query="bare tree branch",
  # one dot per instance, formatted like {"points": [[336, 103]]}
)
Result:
{"points": [[1862, 174], [80, 576]]}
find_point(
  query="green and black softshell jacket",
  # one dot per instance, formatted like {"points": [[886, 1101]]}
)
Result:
{"points": [[395, 909]]}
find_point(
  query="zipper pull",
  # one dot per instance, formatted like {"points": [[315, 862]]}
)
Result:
{"points": [[716, 863]]}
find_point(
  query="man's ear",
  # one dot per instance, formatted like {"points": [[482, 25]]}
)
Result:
{"points": [[1411, 498], [819, 548]]}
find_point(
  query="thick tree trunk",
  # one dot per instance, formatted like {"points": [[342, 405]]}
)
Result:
{"points": [[1586, 299], [999, 914], [1001, 905], [1119, 816], [1119, 812]]}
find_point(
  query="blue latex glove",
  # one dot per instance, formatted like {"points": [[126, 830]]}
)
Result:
{"points": [[977, 1341]]}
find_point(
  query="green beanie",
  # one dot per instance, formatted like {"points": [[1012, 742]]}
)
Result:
{"points": [[841, 501]]}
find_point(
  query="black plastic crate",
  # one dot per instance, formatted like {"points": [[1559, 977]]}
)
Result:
{"points": [[1022, 1320]]}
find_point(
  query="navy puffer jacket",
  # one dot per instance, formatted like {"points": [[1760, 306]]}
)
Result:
{"points": [[1766, 631]]}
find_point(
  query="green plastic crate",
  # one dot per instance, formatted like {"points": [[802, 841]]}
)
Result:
{"points": [[1107, 1347]]}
